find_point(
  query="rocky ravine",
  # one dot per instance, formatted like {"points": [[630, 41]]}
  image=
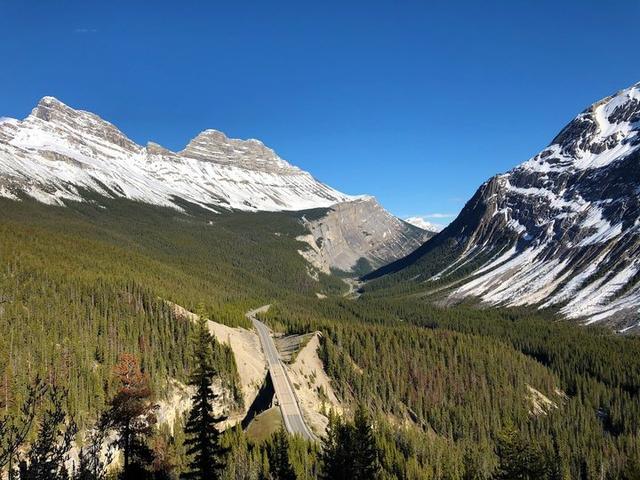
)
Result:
{"points": [[313, 385], [561, 230]]}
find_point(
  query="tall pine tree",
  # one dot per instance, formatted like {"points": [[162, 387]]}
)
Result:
{"points": [[349, 449], [203, 439], [278, 453], [50, 450], [518, 458], [365, 459], [334, 456]]}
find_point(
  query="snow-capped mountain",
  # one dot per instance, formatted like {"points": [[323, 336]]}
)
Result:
{"points": [[561, 230], [57, 151], [423, 224]]}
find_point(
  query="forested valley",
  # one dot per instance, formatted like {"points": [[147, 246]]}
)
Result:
{"points": [[89, 345]]}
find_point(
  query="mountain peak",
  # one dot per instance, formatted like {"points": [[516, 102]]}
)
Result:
{"points": [[66, 125], [215, 139], [608, 130], [211, 134], [219, 136], [48, 108], [423, 224], [214, 146], [49, 100], [560, 230]]}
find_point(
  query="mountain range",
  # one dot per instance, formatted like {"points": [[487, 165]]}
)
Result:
{"points": [[59, 154], [56, 152], [111, 247], [560, 231]]}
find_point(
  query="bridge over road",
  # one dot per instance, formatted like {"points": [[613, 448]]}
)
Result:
{"points": [[285, 393]]}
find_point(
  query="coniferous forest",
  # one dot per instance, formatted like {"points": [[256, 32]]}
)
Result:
{"points": [[89, 346]]}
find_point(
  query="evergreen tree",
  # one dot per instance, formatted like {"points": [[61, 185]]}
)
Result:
{"points": [[278, 454], [264, 469], [333, 457], [304, 456], [519, 459], [15, 429], [244, 463], [92, 460], [132, 414], [363, 444], [164, 458], [349, 449], [203, 438], [49, 451], [631, 470]]}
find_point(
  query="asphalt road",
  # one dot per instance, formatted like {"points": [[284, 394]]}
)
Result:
{"points": [[285, 392]]}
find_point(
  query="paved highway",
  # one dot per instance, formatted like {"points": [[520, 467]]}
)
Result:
{"points": [[285, 392]]}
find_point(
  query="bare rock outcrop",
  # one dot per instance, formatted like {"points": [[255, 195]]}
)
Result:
{"points": [[357, 236]]}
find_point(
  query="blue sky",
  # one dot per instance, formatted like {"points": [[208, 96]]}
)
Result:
{"points": [[414, 102]]}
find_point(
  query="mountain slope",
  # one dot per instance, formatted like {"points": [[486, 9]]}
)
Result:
{"points": [[561, 230]]}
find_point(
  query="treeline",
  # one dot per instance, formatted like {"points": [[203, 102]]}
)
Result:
{"points": [[446, 390], [447, 438], [461, 376], [43, 441], [72, 333], [80, 285], [228, 261], [75, 342]]}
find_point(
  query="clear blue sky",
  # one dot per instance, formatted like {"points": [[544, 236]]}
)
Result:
{"points": [[415, 102]]}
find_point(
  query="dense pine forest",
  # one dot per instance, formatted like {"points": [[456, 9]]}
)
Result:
{"points": [[89, 345]]}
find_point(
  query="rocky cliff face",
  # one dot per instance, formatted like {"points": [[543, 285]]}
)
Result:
{"points": [[57, 151], [561, 230], [359, 235]]}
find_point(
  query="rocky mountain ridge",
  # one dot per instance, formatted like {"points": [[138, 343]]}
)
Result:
{"points": [[57, 151], [423, 224]]}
